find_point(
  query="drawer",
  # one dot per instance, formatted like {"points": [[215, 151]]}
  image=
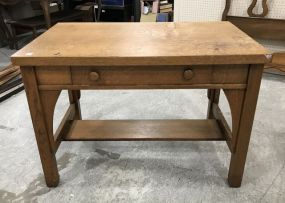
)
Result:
{"points": [[48, 75], [157, 75]]}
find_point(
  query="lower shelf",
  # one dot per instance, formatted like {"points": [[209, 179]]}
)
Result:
{"points": [[123, 130]]}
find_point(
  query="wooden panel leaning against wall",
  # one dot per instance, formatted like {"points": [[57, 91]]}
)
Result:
{"points": [[258, 26]]}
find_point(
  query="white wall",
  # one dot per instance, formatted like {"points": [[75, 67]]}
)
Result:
{"points": [[198, 10]]}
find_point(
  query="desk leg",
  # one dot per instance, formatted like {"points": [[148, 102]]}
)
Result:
{"points": [[45, 146], [249, 102], [74, 97], [213, 96]]}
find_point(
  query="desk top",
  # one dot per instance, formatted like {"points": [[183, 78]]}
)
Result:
{"points": [[141, 44]]}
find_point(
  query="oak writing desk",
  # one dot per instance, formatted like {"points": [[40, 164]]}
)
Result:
{"points": [[214, 56]]}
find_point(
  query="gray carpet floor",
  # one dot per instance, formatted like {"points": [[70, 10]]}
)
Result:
{"points": [[145, 171]]}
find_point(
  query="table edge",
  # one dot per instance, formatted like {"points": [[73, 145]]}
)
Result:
{"points": [[143, 61]]}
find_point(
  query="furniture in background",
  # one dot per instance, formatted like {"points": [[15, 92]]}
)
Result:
{"points": [[131, 9], [228, 60], [10, 82], [153, 6], [258, 26], [93, 6], [120, 5], [166, 7], [68, 13], [44, 5], [38, 22], [161, 9], [132, 13], [162, 17], [6, 36]]}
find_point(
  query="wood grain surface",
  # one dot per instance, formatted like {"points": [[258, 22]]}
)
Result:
{"points": [[260, 28], [141, 44], [144, 130]]}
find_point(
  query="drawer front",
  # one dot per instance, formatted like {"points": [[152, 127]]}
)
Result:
{"points": [[109, 76], [59, 75]]}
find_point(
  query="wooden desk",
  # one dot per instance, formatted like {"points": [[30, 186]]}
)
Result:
{"points": [[211, 56]]}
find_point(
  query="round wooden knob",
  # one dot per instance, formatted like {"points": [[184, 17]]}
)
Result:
{"points": [[188, 74], [94, 76]]}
